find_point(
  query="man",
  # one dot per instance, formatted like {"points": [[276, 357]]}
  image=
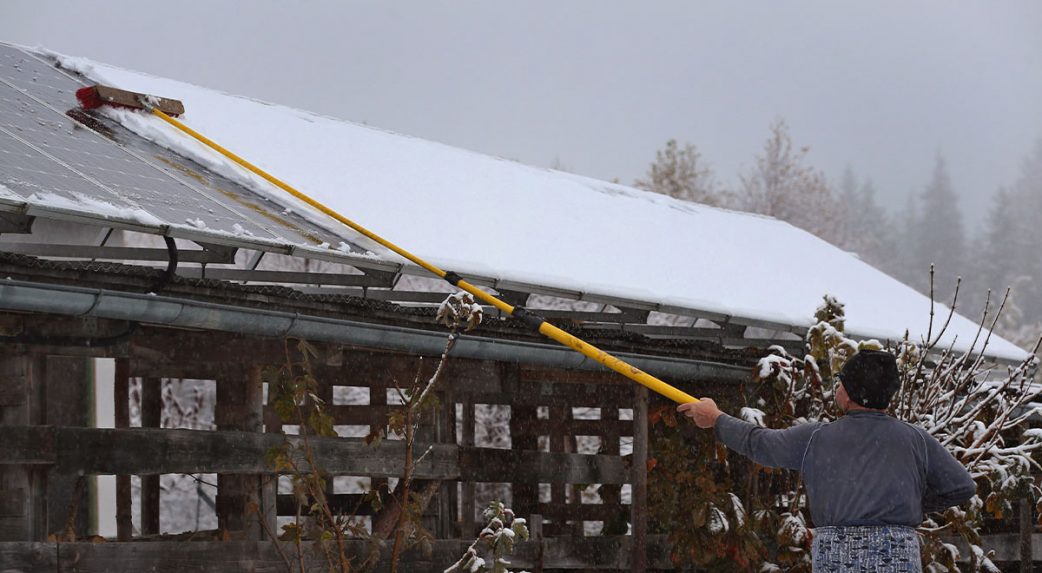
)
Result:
{"points": [[869, 476]]}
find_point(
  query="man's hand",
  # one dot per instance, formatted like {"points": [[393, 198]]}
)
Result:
{"points": [[704, 412]]}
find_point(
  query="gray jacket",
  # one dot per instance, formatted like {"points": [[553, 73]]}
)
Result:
{"points": [[866, 468]]}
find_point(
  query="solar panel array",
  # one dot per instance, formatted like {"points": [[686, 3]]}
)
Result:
{"points": [[55, 158]]}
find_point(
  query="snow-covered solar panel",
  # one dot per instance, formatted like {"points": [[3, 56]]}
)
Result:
{"points": [[50, 160]]}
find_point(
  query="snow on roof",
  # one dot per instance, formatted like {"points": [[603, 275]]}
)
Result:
{"points": [[477, 214]]}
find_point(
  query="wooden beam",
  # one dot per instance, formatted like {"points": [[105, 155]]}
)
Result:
{"points": [[581, 511], [68, 398], [151, 417], [29, 557], [155, 451], [1027, 527], [468, 510], [23, 499], [639, 493], [29, 445], [490, 465], [583, 553], [121, 396], [585, 427], [158, 451], [340, 503]]}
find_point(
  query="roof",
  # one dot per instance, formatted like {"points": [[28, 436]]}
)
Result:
{"points": [[507, 225]]}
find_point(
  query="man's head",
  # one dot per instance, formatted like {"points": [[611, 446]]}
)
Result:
{"points": [[869, 379]]}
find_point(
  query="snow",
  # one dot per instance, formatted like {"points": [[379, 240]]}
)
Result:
{"points": [[477, 214], [80, 202], [753, 416], [7, 193]]}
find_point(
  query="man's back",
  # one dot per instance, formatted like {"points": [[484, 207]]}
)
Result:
{"points": [[866, 468]]}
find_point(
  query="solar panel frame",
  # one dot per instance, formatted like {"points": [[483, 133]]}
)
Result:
{"points": [[32, 89]]}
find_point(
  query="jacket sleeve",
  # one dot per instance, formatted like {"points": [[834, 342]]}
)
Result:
{"points": [[773, 448], [948, 482]]}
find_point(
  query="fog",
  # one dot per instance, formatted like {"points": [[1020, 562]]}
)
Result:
{"points": [[596, 87]]}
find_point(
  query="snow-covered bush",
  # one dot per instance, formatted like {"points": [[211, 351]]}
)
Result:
{"points": [[489, 551], [979, 414]]}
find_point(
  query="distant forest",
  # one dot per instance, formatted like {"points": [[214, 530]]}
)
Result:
{"points": [[928, 229]]}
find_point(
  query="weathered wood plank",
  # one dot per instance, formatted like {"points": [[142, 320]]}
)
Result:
{"points": [[149, 451], [25, 445], [583, 511], [28, 557], [151, 417], [146, 451], [121, 414], [23, 487], [639, 499], [607, 428], [582, 553], [525, 466], [194, 557]]}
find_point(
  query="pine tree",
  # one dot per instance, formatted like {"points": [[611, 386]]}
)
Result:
{"points": [[939, 237], [865, 227], [998, 252], [1026, 205], [680, 172], [781, 186], [905, 267]]}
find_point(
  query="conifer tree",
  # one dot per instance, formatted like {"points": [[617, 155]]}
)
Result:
{"points": [[939, 237], [865, 228]]}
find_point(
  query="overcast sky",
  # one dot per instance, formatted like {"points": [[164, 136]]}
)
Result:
{"points": [[882, 86]]}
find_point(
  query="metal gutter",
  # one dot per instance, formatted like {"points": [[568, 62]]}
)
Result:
{"points": [[27, 296]]}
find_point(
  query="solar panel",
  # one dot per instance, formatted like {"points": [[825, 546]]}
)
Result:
{"points": [[52, 161]]}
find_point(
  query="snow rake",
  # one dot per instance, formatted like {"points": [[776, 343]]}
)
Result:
{"points": [[98, 96]]}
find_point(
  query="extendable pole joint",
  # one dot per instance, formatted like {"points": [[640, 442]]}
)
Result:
{"points": [[453, 278], [531, 319]]}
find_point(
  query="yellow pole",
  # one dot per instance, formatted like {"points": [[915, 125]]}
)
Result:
{"points": [[545, 328]]}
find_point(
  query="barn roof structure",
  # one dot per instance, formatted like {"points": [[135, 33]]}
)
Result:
{"points": [[119, 240], [516, 229]]}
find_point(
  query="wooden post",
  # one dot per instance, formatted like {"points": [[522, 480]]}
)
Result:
{"points": [[467, 509], [611, 495], [23, 515], [67, 395], [524, 496], [639, 479], [151, 417], [121, 415], [535, 532], [447, 492], [378, 398], [270, 482], [1027, 528], [240, 406], [557, 438]]}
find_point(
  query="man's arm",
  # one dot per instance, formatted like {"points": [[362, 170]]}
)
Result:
{"points": [[774, 448], [948, 482]]}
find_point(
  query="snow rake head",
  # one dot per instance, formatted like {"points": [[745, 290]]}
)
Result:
{"points": [[93, 97]]}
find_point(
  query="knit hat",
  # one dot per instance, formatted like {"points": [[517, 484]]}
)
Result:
{"points": [[870, 378]]}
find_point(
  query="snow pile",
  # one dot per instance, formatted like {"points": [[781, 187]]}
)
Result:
{"points": [[531, 225], [80, 202], [459, 310]]}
